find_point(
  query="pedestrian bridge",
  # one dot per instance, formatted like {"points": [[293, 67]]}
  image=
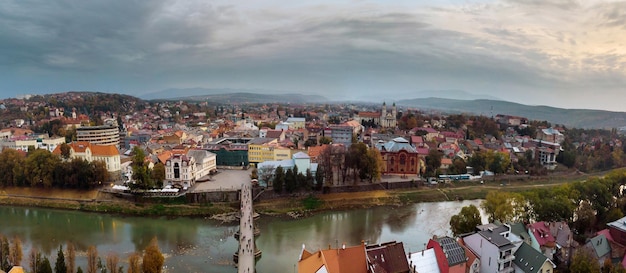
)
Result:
{"points": [[246, 255]]}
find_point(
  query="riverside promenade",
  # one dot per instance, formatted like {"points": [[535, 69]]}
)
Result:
{"points": [[247, 247]]}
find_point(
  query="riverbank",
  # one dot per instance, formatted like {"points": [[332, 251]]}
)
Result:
{"points": [[94, 201]]}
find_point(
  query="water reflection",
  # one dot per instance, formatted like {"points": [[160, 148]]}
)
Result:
{"points": [[197, 245]]}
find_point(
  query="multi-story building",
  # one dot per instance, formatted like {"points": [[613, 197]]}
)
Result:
{"points": [[102, 135], [39, 142], [109, 154], [266, 149], [340, 134], [296, 123], [185, 169], [230, 151], [494, 249]]}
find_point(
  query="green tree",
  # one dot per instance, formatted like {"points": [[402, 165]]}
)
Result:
{"points": [[158, 173], [152, 258], [59, 266], [79, 270], [498, 162], [502, 206], [433, 162], [458, 166], [44, 266], [319, 178], [40, 164], [466, 221], [141, 172], [325, 140], [279, 179], [584, 262], [478, 161], [65, 151], [310, 180], [290, 181], [11, 162]]}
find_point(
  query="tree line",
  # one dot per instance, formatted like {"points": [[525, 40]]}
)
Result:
{"points": [[150, 261], [41, 168]]}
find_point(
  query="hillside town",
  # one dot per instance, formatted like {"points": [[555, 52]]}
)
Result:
{"points": [[168, 148]]}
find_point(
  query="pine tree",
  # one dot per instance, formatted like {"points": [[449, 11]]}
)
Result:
{"points": [[59, 266]]}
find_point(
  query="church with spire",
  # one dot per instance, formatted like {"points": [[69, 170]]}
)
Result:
{"points": [[384, 118]]}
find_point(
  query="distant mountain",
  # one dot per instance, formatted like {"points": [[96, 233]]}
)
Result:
{"points": [[243, 97], [580, 118], [177, 93], [443, 94]]}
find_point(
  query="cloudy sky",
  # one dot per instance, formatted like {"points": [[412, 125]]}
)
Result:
{"points": [[563, 53]]}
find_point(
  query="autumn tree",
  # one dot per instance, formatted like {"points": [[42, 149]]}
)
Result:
{"points": [[134, 263], [71, 257], [59, 266], [4, 253], [584, 262], [40, 164], [11, 162], [15, 252], [466, 221], [152, 258], [92, 259], [265, 174]]}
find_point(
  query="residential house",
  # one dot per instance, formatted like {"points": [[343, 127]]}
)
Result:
{"points": [[599, 248], [296, 123], [530, 260], [387, 258], [550, 135], [424, 261], [472, 265], [541, 238], [345, 259], [450, 254], [493, 247]]}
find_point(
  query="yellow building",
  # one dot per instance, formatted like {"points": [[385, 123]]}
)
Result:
{"points": [[267, 149]]}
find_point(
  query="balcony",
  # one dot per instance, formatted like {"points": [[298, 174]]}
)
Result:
{"points": [[506, 258]]}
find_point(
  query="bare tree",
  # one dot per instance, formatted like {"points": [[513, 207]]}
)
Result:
{"points": [[92, 259], [266, 173], [112, 262], [134, 263], [34, 259], [15, 253], [71, 257]]}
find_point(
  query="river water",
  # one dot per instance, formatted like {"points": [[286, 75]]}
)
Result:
{"points": [[201, 245]]}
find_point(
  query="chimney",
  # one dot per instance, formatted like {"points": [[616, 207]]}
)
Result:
{"points": [[343, 246]]}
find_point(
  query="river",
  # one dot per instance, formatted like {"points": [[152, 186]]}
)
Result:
{"points": [[200, 245]]}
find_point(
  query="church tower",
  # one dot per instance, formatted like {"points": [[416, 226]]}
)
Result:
{"points": [[394, 110], [384, 112]]}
